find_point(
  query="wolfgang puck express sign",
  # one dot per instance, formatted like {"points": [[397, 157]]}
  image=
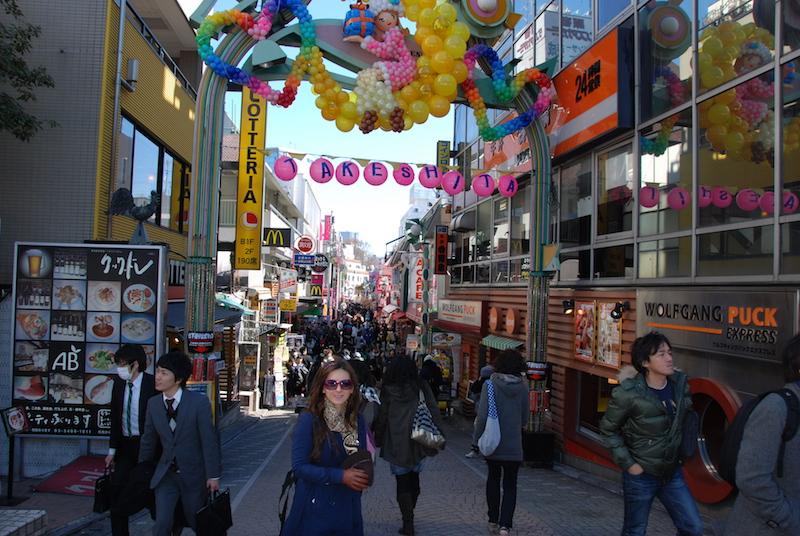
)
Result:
{"points": [[754, 324]]}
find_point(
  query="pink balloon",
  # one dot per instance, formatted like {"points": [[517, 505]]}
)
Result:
{"points": [[375, 173], [703, 197], [430, 176], [790, 202], [678, 198], [453, 182], [285, 168], [747, 200], [648, 196], [347, 172], [720, 197], [321, 170], [403, 174], [767, 202], [483, 185], [507, 186]]}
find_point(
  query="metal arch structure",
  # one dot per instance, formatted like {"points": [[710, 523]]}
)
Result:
{"points": [[268, 62]]}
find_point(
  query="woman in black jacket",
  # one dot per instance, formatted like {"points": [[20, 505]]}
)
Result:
{"points": [[400, 396]]}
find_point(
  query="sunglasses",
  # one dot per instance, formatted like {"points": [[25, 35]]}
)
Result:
{"points": [[331, 385]]}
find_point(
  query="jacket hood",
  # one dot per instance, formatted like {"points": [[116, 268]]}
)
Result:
{"points": [[506, 383], [626, 373]]}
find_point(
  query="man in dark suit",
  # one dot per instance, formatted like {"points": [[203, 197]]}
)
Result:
{"points": [[180, 422], [132, 388]]}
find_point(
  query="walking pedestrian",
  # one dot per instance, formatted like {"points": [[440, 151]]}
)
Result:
{"points": [[432, 373], [642, 428], [327, 499], [400, 396], [768, 502], [511, 401]]}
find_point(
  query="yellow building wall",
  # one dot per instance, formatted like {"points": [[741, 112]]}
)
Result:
{"points": [[124, 226]]}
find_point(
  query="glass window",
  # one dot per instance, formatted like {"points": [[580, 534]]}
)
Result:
{"points": [[750, 250], [608, 9], [575, 265], [167, 182], [484, 231], [791, 22], [546, 42], [460, 246], [666, 60], [500, 272], [521, 222], [736, 154], [468, 273], [576, 203], [515, 272], [666, 165], [727, 30], [125, 163], [595, 392], [577, 29], [791, 148], [790, 248], [460, 124], [526, 9], [472, 128], [616, 261], [482, 273], [500, 242], [145, 170], [666, 258], [455, 275], [614, 191]]}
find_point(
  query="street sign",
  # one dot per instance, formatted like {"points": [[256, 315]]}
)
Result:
{"points": [[305, 244], [303, 260], [321, 263], [279, 237]]}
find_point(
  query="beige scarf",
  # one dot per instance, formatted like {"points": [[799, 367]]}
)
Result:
{"points": [[337, 423]]}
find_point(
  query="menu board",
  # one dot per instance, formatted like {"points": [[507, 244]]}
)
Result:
{"points": [[74, 306]]}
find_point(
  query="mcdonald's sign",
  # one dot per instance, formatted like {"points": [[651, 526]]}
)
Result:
{"points": [[315, 290], [278, 237]]}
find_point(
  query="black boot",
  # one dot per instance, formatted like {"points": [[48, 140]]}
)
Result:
{"points": [[415, 487], [406, 502]]}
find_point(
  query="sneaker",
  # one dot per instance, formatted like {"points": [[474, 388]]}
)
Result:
{"points": [[473, 454], [504, 531], [493, 528]]}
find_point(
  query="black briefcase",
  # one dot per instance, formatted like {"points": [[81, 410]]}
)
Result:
{"points": [[102, 493], [215, 517]]}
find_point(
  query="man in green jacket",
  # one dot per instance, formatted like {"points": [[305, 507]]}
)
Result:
{"points": [[642, 428]]}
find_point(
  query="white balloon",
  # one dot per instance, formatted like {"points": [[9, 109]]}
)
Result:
{"points": [[487, 5]]}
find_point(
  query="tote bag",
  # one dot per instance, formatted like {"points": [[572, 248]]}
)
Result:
{"points": [[423, 430], [490, 437]]}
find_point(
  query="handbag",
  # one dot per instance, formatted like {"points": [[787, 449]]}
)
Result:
{"points": [[490, 437], [423, 430], [360, 459], [102, 493], [215, 517]]}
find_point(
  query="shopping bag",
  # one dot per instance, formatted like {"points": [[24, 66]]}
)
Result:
{"points": [[423, 430], [102, 493], [215, 517], [490, 437]]}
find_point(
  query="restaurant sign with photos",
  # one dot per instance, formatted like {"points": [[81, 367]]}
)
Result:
{"points": [[74, 306]]}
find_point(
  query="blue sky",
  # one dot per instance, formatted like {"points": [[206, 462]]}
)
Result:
{"points": [[373, 212]]}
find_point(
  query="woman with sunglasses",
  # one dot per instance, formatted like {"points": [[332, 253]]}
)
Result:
{"points": [[327, 498]]}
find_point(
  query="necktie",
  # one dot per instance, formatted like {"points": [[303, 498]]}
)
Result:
{"points": [[171, 413], [128, 409]]}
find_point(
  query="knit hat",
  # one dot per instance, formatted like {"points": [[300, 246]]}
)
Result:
{"points": [[487, 371], [376, 6]]}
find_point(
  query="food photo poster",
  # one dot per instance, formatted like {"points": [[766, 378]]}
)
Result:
{"points": [[585, 330]]}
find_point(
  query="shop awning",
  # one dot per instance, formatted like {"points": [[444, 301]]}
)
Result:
{"points": [[501, 343], [176, 316]]}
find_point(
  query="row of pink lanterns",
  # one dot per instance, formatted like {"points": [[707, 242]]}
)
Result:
{"points": [[746, 199]]}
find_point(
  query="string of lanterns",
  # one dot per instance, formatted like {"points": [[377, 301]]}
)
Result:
{"points": [[746, 199]]}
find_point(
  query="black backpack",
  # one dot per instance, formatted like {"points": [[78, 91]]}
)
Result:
{"points": [[286, 492], [735, 432]]}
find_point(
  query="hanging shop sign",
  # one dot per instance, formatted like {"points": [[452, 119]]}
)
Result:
{"points": [[269, 311], [305, 244], [74, 305], [288, 305], [277, 237], [249, 195], [315, 291], [440, 255], [753, 324], [200, 342], [461, 312], [443, 154], [416, 278], [594, 94], [303, 260], [321, 263], [288, 280]]}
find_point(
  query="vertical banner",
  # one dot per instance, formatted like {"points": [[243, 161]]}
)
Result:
{"points": [[440, 255], [326, 231], [249, 195], [416, 280], [442, 154]]}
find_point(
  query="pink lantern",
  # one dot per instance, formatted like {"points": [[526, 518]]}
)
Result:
{"points": [[375, 173], [747, 200], [321, 170], [720, 197], [430, 177], [483, 185], [347, 172], [285, 168], [790, 202], [453, 182], [703, 197], [767, 202], [403, 174], [678, 198], [648, 196], [507, 186]]}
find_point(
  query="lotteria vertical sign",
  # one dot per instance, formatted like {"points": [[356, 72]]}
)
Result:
{"points": [[249, 200]]}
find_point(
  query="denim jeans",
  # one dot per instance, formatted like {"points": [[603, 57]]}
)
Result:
{"points": [[640, 490], [502, 514]]}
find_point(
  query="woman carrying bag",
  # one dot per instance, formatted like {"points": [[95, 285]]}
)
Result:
{"points": [[508, 393], [400, 397]]}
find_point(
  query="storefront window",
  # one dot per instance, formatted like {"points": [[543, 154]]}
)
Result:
{"points": [[608, 9], [666, 258], [546, 43], [501, 232], [460, 124], [576, 203], [500, 272], [614, 191], [791, 23], [577, 29], [791, 148], [468, 273], [167, 183], [575, 265], [515, 270], [736, 153], [526, 9], [484, 231], [595, 393], [125, 162], [666, 165], [482, 274], [616, 261], [666, 66], [737, 252], [145, 171], [733, 40], [455, 275], [459, 248], [520, 222], [790, 248]]}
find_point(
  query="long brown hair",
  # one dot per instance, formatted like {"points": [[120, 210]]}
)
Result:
{"points": [[316, 404]]}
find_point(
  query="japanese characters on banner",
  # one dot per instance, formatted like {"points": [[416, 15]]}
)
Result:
{"points": [[74, 306], [249, 195], [440, 255], [416, 281]]}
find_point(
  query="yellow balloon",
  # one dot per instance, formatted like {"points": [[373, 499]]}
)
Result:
{"points": [[412, 13], [427, 3], [734, 141], [407, 123], [353, 97], [446, 14], [423, 62], [712, 77], [431, 45], [712, 46], [426, 90], [704, 60], [410, 93], [459, 71], [422, 33], [321, 102], [716, 135], [719, 114], [726, 97], [455, 46], [439, 106], [345, 124], [330, 113], [342, 97], [426, 17], [384, 123], [418, 111], [348, 110], [445, 85], [460, 29], [441, 62]]}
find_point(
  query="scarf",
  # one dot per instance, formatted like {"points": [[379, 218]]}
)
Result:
{"points": [[337, 423]]}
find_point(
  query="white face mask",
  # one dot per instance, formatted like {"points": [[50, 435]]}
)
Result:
{"points": [[124, 373]]}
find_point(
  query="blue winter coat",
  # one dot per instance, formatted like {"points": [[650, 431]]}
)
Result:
{"points": [[322, 505]]}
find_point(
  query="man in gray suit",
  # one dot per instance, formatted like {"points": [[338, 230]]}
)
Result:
{"points": [[180, 422]]}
